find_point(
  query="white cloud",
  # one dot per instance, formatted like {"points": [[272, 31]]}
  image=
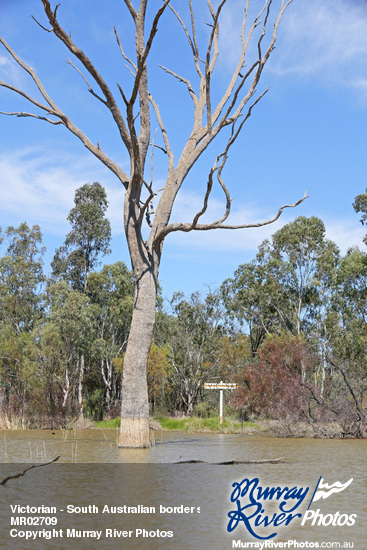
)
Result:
{"points": [[324, 39], [38, 186], [8, 68], [11, 73], [345, 233]]}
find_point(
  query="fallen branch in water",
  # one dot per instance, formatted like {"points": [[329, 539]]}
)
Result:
{"points": [[230, 462], [20, 474]]}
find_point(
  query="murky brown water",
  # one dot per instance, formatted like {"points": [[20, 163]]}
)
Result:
{"points": [[93, 471]]}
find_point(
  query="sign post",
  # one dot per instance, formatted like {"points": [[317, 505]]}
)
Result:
{"points": [[220, 386]]}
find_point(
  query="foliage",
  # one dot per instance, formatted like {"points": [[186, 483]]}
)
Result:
{"points": [[21, 278], [196, 328], [158, 374], [360, 205], [88, 239], [110, 293], [279, 290], [304, 359], [273, 385]]}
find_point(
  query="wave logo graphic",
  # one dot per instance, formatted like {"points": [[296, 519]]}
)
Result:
{"points": [[323, 490], [315, 517]]}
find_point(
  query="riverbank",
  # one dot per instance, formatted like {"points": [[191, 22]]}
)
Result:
{"points": [[284, 428], [193, 424]]}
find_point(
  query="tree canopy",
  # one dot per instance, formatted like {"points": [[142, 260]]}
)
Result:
{"points": [[289, 329]]}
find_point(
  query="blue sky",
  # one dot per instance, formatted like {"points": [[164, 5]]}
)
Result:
{"points": [[307, 133]]}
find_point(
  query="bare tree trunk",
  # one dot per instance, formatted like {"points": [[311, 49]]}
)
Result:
{"points": [[134, 430], [190, 406], [107, 380], [80, 387]]}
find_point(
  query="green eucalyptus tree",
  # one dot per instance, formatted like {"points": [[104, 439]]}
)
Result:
{"points": [[111, 293], [197, 327], [21, 277], [349, 336], [21, 307], [88, 240], [280, 289], [288, 288], [360, 205], [74, 320]]}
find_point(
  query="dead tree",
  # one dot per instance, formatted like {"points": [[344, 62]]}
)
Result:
{"points": [[134, 114]]}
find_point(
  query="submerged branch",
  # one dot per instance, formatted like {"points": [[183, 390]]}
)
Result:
{"points": [[230, 462], [20, 474]]}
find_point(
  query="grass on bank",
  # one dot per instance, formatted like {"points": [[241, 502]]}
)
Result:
{"points": [[113, 423], [192, 424], [196, 424]]}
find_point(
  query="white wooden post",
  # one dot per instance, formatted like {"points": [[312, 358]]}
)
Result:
{"points": [[221, 406], [220, 386]]}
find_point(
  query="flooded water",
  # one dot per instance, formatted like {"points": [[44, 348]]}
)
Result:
{"points": [[93, 472]]}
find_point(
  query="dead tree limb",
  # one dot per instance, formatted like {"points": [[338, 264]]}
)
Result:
{"points": [[20, 474], [231, 462]]}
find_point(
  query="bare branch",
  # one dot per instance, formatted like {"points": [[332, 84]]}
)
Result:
{"points": [[122, 93], [32, 115], [163, 132], [233, 85], [39, 24], [196, 56], [159, 147], [131, 9], [347, 383], [219, 168], [79, 54], [145, 208], [185, 81], [206, 199], [28, 98], [202, 136], [143, 58], [210, 63], [90, 89], [131, 71], [34, 77], [186, 227], [123, 53], [192, 43], [58, 113], [152, 159]]}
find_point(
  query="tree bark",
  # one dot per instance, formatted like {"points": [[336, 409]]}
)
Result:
{"points": [[134, 429]]}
